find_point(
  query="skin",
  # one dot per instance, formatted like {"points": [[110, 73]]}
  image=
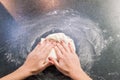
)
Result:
{"points": [[35, 62], [67, 62]]}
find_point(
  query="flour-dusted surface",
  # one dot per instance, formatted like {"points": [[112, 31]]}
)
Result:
{"points": [[85, 33], [100, 16]]}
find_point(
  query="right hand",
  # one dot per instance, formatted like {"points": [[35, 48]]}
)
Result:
{"points": [[67, 60]]}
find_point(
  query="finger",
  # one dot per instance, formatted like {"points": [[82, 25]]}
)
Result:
{"points": [[54, 61], [43, 44], [61, 48], [46, 43], [40, 46], [58, 52], [37, 47], [46, 50], [65, 46], [71, 48], [51, 40], [46, 64], [54, 43]]}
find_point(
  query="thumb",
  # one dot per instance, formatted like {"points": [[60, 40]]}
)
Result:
{"points": [[46, 64], [53, 61]]}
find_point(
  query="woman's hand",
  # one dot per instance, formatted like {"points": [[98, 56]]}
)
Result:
{"points": [[68, 62], [36, 60], [67, 59]]}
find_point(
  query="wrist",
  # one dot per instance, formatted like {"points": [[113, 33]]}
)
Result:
{"points": [[25, 71], [75, 75], [79, 75], [20, 74]]}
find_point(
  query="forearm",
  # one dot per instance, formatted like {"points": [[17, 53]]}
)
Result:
{"points": [[19, 74], [80, 75]]}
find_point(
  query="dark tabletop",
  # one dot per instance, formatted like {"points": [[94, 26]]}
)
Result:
{"points": [[92, 24]]}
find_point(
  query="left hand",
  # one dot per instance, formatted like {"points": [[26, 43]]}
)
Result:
{"points": [[36, 60]]}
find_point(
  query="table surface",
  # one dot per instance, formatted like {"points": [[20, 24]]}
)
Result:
{"points": [[103, 19]]}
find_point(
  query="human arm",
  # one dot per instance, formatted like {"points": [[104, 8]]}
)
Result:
{"points": [[68, 62], [35, 63]]}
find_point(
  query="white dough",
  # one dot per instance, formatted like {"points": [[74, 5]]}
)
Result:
{"points": [[58, 37]]}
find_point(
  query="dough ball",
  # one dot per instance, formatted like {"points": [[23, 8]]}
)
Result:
{"points": [[58, 37]]}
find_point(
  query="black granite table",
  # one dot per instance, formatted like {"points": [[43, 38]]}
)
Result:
{"points": [[92, 24]]}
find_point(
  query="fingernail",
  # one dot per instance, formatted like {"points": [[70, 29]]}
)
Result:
{"points": [[49, 40], [61, 42], [68, 43], [58, 44], [45, 39], [49, 58]]}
